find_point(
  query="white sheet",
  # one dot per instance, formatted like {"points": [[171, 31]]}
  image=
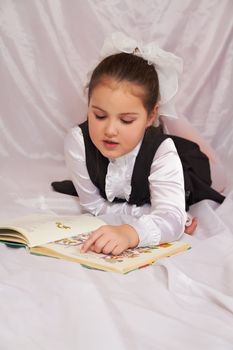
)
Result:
{"points": [[184, 302]]}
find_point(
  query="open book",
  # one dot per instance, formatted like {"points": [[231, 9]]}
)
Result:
{"points": [[62, 237]]}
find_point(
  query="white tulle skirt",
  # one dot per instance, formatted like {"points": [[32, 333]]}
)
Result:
{"points": [[183, 128]]}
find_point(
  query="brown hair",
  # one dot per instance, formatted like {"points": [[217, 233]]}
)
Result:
{"points": [[131, 68]]}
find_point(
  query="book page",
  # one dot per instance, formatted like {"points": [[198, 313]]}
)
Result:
{"points": [[40, 229], [69, 249]]}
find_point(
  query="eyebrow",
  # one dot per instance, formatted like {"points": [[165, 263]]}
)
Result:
{"points": [[126, 113]]}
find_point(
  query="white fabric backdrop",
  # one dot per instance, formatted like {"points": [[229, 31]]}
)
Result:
{"points": [[46, 48]]}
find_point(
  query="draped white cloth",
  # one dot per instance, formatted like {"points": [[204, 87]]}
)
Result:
{"points": [[46, 48]]}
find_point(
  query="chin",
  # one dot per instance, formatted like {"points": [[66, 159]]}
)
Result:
{"points": [[110, 155]]}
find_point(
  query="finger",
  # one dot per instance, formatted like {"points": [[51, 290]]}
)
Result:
{"points": [[100, 243], [109, 247], [90, 241], [118, 250]]}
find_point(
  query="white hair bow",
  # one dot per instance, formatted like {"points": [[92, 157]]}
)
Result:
{"points": [[167, 65]]}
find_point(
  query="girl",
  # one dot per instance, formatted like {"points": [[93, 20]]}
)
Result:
{"points": [[121, 165]]}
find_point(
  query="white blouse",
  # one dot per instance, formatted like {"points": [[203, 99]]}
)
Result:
{"points": [[163, 220]]}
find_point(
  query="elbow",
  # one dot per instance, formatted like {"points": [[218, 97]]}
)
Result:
{"points": [[173, 228], [94, 209]]}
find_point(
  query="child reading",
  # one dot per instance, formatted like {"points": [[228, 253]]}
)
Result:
{"points": [[121, 165]]}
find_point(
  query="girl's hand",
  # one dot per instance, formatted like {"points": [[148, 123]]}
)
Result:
{"points": [[192, 227], [111, 239]]}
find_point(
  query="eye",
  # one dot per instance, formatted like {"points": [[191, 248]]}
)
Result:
{"points": [[126, 121], [100, 117]]}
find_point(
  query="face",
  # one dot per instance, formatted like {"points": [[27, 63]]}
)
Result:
{"points": [[117, 118]]}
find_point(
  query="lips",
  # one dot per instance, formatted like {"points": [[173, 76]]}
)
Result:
{"points": [[110, 144]]}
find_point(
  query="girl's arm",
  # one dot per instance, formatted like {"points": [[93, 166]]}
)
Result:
{"points": [[166, 220], [161, 221]]}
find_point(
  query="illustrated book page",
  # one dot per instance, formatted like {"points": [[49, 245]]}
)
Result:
{"points": [[62, 237], [34, 230]]}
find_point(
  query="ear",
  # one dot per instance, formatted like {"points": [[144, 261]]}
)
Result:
{"points": [[152, 117]]}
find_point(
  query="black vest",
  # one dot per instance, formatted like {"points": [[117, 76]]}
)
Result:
{"points": [[195, 164]]}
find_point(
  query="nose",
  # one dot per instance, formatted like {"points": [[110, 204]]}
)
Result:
{"points": [[111, 128]]}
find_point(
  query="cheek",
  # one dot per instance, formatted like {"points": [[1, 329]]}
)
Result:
{"points": [[134, 134], [93, 128]]}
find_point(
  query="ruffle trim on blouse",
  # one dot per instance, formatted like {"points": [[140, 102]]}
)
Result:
{"points": [[119, 174], [118, 179]]}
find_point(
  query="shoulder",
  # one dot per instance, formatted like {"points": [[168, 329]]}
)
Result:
{"points": [[74, 143], [157, 142], [166, 158], [166, 164], [166, 147]]}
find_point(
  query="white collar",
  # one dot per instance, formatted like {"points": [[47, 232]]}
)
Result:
{"points": [[126, 157]]}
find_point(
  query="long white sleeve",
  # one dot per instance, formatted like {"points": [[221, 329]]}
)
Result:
{"points": [[161, 221]]}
